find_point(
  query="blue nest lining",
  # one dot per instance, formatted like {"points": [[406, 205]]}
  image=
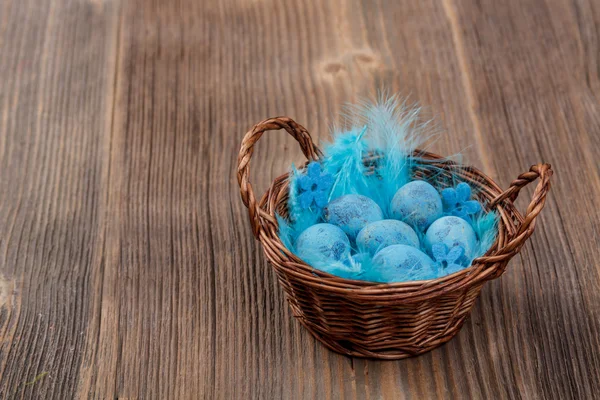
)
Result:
{"points": [[367, 175]]}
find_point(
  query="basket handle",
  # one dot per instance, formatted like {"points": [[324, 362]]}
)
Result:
{"points": [[541, 171], [307, 146]]}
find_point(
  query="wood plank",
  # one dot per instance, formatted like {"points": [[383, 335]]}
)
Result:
{"points": [[535, 100], [55, 107]]}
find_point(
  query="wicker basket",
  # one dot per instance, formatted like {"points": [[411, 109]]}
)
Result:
{"points": [[385, 321]]}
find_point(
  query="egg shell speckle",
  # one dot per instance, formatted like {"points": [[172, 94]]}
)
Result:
{"points": [[399, 263], [351, 213], [321, 243], [381, 234], [418, 204], [452, 231]]}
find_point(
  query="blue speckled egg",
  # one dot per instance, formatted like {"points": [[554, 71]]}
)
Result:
{"points": [[322, 243], [452, 231], [400, 263], [380, 234], [418, 204], [351, 213]]}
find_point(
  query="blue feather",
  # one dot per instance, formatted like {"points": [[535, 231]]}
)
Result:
{"points": [[485, 226], [301, 217], [286, 233], [393, 132]]}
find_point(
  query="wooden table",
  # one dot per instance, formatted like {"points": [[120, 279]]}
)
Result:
{"points": [[127, 265]]}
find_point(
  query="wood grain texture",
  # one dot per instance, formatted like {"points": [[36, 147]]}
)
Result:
{"points": [[127, 264]]}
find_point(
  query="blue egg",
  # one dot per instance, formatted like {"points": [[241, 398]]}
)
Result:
{"points": [[351, 213], [452, 231], [380, 234], [401, 263], [418, 204], [321, 244]]}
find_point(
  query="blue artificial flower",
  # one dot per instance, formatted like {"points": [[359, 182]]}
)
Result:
{"points": [[456, 201], [314, 186], [449, 260]]}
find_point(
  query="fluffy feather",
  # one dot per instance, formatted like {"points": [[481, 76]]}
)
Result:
{"points": [[344, 160], [485, 226], [286, 233], [392, 133], [300, 217]]}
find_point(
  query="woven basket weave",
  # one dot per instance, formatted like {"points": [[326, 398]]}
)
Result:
{"points": [[385, 321]]}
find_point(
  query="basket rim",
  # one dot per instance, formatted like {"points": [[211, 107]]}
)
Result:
{"points": [[489, 266]]}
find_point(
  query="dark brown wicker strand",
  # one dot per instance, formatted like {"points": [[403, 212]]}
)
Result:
{"points": [[385, 321]]}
